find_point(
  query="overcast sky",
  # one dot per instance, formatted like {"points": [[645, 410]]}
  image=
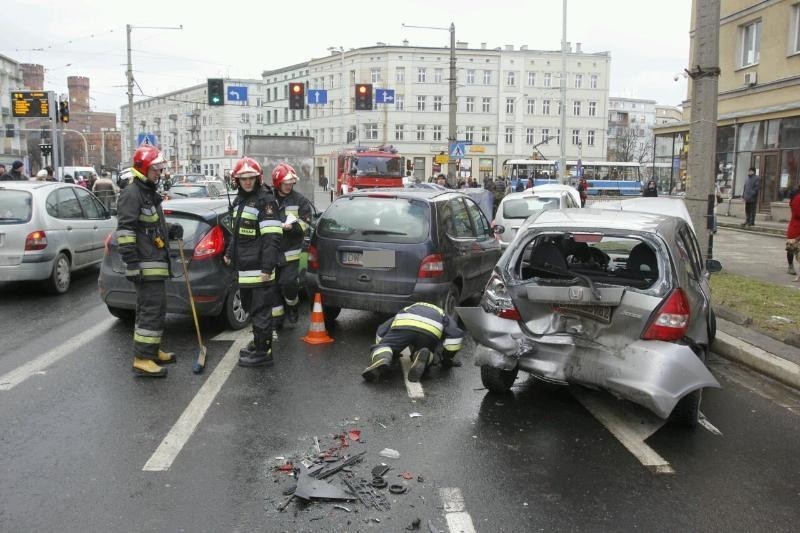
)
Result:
{"points": [[648, 39]]}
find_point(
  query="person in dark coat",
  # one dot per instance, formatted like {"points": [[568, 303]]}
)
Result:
{"points": [[651, 189], [15, 174], [750, 196]]}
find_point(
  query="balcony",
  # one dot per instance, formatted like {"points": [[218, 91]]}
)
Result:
{"points": [[194, 127], [173, 131], [194, 113], [195, 142], [157, 120], [173, 116]]}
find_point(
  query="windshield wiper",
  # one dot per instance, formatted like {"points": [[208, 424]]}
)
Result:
{"points": [[381, 232], [552, 269]]}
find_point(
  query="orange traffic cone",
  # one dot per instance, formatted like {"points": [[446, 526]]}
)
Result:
{"points": [[316, 330]]}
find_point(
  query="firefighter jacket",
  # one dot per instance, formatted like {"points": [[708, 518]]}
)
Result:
{"points": [[256, 236], [142, 233], [429, 319], [296, 207]]}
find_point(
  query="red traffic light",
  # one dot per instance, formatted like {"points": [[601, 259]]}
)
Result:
{"points": [[297, 95], [363, 96], [297, 88]]}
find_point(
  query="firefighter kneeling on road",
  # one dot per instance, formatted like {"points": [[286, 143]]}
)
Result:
{"points": [[295, 213], [423, 328], [142, 235], [253, 253]]}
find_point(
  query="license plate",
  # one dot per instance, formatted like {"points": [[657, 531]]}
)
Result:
{"points": [[352, 258], [601, 313]]}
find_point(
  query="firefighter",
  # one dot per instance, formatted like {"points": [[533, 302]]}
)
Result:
{"points": [[253, 252], [423, 328], [142, 237], [295, 213]]}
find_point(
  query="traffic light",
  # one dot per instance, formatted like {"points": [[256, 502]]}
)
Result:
{"points": [[364, 96], [216, 91], [63, 111], [297, 95]]}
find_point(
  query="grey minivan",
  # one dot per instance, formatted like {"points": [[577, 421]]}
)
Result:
{"points": [[48, 230]]}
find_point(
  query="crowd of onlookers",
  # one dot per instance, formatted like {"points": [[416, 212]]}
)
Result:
{"points": [[102, 186]]}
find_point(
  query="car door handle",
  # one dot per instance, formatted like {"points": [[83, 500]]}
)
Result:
{"points": [[69, 228], [95, 227]]}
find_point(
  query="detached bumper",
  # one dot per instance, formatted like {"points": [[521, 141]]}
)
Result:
{"points": [[653, 374]]}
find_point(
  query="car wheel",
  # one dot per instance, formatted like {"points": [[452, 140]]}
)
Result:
{"points": [[330, 313], [235, 315], [686, 412], [60, 277], [126, 315], [498, 380], [451, 300]]}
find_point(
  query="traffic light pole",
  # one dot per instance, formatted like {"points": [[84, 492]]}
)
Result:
{"points": [[53, 106], [451, 166], [562, 158]]}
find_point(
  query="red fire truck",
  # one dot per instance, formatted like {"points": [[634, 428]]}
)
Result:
{"points": [[367, 168]]}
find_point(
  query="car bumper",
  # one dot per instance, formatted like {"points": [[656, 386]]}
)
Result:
{"points": [[377, 302], [653, 374], [27, 271]]}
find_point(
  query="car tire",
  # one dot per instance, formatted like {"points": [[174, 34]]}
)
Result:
{"points": [[451, 299], [235, 315], [60, 277], [497, 380], [686, 412], [126, 315], [712, 326], [330, 313]]}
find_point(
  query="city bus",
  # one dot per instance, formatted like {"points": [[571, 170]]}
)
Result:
{"points": [[605, 178]]}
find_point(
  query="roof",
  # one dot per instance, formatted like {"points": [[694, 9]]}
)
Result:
{"points": [[203, 207], [407, 192], [29, 184], [587, 218]]}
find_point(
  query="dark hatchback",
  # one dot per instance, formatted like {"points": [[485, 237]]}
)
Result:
{"points": [[206, 233], [383, 249]]}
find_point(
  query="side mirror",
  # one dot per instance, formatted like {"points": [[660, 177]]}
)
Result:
{"points": [[498, 229], [112, 211], [167, 185], [713, 266]]}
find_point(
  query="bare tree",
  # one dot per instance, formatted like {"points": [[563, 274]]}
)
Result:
{"points": [[632, 145]]}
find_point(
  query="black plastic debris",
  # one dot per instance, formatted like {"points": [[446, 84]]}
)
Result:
{"points": [[308, 488]]}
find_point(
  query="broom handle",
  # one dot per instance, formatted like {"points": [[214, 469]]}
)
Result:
{"points": [[189, 290]]}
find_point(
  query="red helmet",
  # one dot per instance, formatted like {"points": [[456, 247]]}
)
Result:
{"points": [[283, 173], [147, 156], [246, 167]]}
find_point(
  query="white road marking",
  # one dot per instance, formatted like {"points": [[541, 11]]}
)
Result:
{"points": [[36, 366], [629, 426], [228, 335], [458, 520], [703, 421], [180, 433], [415, 390]]}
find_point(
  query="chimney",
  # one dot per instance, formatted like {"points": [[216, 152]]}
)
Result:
{"points": [[577, 48], [405, 42], [483, 46], [380, 43], [462, 44], [509, 48], [523, 47]]}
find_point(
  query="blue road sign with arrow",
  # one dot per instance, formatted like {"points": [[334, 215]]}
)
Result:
{"points": [[237, 94], [317, 96], [384, 96]]}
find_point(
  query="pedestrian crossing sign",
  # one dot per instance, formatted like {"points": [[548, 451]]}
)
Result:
{"points": [[457, 150]]}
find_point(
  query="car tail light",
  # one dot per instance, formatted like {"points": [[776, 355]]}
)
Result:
{"points": [[108, 240], [36, 240], [431, 267], [313, 260], [496, 299], [211, 245], [671, 320]]}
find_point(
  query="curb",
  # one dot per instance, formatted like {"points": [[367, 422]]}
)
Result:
{"points": [[754, 357], [762, 230]]}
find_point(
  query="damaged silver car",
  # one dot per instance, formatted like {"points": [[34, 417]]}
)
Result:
{"points": [[614, 300]]}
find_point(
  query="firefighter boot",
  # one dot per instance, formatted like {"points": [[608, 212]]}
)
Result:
{"points": [[248, 350], [165, 358], [291, 316], [148, 368], [380, 360], [419, 363], [261, 356]]}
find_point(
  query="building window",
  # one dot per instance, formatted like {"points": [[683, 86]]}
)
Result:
{"points": [[510, 106], [470, 104], [470, 77], [593, 81], [509, 135], [558, 136], [576, 137], [469, 133], [487, 77], [400, 75], [420, 132], [531, 79], [531, 106], [511, 78], [590, 138], [437, 103], [421, 74], [330, 78], [437, 75], [545, 107], [529, 135], [578, 81], [749, 37], [486, 105], [437, 133], [794, 37], [375, 75], [398, 132], [370, 131], [548, 80], [545, 136], [399, 102], [485, 134], [559, 108], [421, 103], [576, 108], [592, 109]]}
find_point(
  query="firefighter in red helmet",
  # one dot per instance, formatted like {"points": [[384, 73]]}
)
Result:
{"points": [[253, 253], [142, 238], [295, 213]]}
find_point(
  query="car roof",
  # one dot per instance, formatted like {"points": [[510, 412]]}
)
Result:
{"points": [[530, 193], [409, 193], [203, 207], [589, 218], [662, 206], [23, 185]]}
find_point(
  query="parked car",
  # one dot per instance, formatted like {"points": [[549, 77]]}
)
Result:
{"points": [[516, 207], [49, 230], [383, 249], [613, 300], [663, 206], [206, 232], [204, 189], [187, 178]]}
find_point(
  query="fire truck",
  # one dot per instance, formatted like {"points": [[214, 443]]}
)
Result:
{"points": [[367, 168]]}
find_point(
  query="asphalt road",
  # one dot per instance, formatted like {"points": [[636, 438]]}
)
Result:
{"points": [[79, 433]]}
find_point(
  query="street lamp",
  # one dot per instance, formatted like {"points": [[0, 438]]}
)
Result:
{"points": [[451, 133], [344, 88]]}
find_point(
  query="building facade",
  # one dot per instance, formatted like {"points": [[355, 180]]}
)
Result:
{"points": [[14, 141], [630, 129], [758, 105]]}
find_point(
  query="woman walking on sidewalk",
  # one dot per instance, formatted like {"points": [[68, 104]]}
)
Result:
{"points": [[793, 232]]}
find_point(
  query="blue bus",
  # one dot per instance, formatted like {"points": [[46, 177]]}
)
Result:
{"points": [[605, 178]]}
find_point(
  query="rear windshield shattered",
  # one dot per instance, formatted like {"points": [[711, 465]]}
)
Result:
{"points": [[15, 207], [605, 259], [376, 219]]}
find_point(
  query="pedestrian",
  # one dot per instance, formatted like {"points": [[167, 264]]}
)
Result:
{"points": [[750, 196], [50, 173], [254, 254], [473, 183], [441, 179], [294, 211], [142, 235], [426, 330], [2, 171], [104, 190], [40, 176], [651, 189], [69, 179], [793, 233], [15, 174], [583, 190]]}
